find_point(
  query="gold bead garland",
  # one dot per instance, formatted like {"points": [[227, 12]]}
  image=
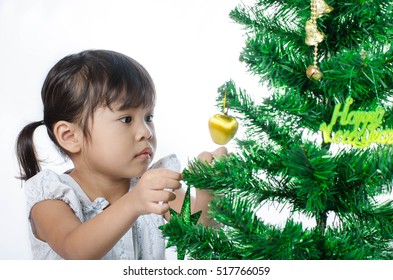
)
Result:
{"points": [[314, 36]]}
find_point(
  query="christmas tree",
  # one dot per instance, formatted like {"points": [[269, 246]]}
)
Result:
{"points": [[320, 144]]}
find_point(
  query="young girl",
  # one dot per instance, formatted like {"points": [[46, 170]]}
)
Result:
{"points": [[98, 110]]}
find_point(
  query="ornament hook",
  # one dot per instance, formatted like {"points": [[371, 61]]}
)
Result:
{"points": [[225, 108]]}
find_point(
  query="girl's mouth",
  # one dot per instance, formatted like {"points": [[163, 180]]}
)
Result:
{"points": [[145, 153]]}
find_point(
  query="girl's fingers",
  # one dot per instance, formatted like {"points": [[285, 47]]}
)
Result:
{"points": [[205, 156], [219, 152], [162, 195], [209, 157], [159, 208], [159, 179], [167, 173]]}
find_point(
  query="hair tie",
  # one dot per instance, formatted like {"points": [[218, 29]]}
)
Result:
{"points": [[42, 122]]}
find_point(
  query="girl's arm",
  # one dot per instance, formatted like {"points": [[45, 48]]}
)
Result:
{"points": [[54, 222]]}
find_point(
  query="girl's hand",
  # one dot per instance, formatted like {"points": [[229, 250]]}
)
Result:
{"points": [[203, 197], [210, 156], [153, 191]]}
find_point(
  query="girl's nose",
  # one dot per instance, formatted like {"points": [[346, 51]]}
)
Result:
{"points": [[144, 132]]}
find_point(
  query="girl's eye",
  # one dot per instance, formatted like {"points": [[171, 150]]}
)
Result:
{"points": [[127, 119], [149, 118]]}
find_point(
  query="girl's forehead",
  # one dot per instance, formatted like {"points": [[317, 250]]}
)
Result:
{"points": [[132, 98], [119, 106]]}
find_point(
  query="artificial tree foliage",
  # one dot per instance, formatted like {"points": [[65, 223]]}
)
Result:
{"points": [[283, 158]]}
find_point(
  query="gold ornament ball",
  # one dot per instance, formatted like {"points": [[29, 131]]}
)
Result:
{"points": [[313, 73], [222, 128]]}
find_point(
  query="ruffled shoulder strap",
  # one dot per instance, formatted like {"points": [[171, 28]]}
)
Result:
{"points": [[49, 185]]}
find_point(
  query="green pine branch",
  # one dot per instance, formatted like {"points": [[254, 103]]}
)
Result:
{"points": [[253, 239], [356, 242], [282, 158], [197, 241]]}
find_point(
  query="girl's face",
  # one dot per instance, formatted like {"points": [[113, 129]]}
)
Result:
{"points": [[122, 143]]}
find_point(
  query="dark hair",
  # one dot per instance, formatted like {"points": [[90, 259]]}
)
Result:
{"points": [[75, 87]]}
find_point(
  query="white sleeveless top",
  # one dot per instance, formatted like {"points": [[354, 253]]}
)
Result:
{"points": [[144, 241]]}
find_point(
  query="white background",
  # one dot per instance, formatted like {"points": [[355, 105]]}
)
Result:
{"points": [[189, 47]]}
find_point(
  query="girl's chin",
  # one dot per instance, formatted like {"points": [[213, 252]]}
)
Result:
{"points": [[139, 172], [140, 166]]}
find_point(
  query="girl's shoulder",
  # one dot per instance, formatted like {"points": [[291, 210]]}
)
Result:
{"points": [[46, 185]]}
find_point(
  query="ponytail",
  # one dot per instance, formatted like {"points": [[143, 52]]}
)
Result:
{"points": [[27, 157]]}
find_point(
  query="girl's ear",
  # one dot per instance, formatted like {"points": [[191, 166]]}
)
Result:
{"points": [[69, 136]]}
